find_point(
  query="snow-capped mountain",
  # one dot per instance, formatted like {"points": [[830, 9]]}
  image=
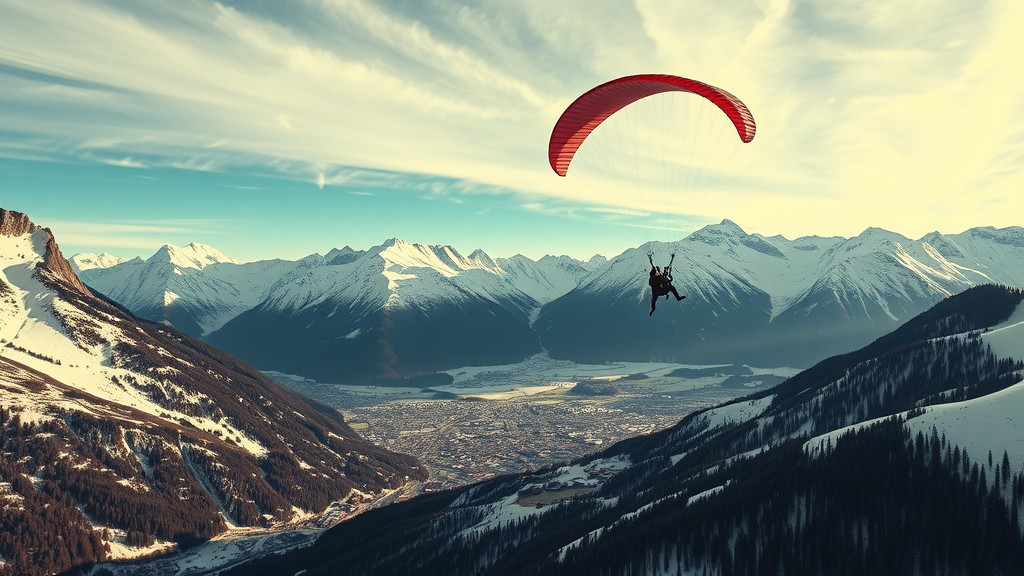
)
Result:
{"points": [[399, 309], [902, 457], [196, 289], [87, 261], [403, 309], [547, 278], [769, 300], [328, 316], [120, 436]]}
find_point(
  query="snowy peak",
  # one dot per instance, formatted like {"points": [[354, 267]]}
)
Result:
{"points": [[399, 255], [25, 242], [561, 261], [194, 255], [729, 234], [546, 279], [483, 260], [1009, 236], [595, 262], [345, 255], [942, 245], [716, 234], [874, 236], [869, 242], [89, 261]]}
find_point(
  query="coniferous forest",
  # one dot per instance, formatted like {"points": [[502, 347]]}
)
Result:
{"points": [[877, 502]]}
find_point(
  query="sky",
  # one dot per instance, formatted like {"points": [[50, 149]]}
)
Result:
{"points": [[273, 129]]}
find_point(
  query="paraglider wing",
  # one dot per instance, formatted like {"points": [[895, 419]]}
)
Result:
{"points": [[595, 106]]}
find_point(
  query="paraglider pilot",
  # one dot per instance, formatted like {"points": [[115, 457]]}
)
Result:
{"points": [[661, 282]]}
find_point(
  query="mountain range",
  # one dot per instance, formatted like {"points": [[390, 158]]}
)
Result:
{"points": [[902, 457], [403, 310], [121, 437]]}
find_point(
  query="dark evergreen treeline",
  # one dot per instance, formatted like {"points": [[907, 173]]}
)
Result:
{"points": [[918, 364], [41, 530], [61, 481], [975, 309], [922, 373], [877, 502]]}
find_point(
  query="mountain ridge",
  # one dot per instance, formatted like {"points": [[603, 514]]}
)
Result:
{"points": [[760, 300], [120, 436]]}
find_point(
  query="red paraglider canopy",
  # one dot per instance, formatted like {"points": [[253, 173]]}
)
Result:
{"points": [[594, 107]]}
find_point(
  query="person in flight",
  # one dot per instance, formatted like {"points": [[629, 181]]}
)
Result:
{"points": [[661, 282]]}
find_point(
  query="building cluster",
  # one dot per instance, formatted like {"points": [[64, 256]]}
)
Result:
{"points": [[464, 441]]}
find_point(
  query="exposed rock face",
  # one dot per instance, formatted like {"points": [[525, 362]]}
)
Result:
{"points": [[118, 433], [15, 223], [59, 268], [54, 265]]}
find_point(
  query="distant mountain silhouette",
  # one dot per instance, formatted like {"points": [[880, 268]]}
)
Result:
{"points": [[403, 309]]}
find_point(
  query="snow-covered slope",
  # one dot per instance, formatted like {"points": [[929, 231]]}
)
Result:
{"points": [[546, 279], [992, 423], [399, 274], [88, 261], [196, 289], [121, 433], [761, 300], [399, 309], [472, 308]]}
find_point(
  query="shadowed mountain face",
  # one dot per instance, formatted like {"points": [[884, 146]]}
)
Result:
{"points": [[401, 309], [771, 301], [609, 320], [866, 463], [120, 436], [330, 344]]}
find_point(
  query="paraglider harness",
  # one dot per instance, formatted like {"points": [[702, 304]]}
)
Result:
{"points": [[660, 281]]}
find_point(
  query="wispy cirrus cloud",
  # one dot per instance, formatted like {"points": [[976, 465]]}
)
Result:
{"points": [[138, 234], [868, 114]]}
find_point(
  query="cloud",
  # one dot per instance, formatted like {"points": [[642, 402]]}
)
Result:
{"points": [[134, 234], [237, 187], [868, 113], [126, 162], [619, 212]]}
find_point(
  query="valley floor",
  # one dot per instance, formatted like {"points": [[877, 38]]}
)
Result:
{"points": [[496, 420], [491, 420], [240, 545]]}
